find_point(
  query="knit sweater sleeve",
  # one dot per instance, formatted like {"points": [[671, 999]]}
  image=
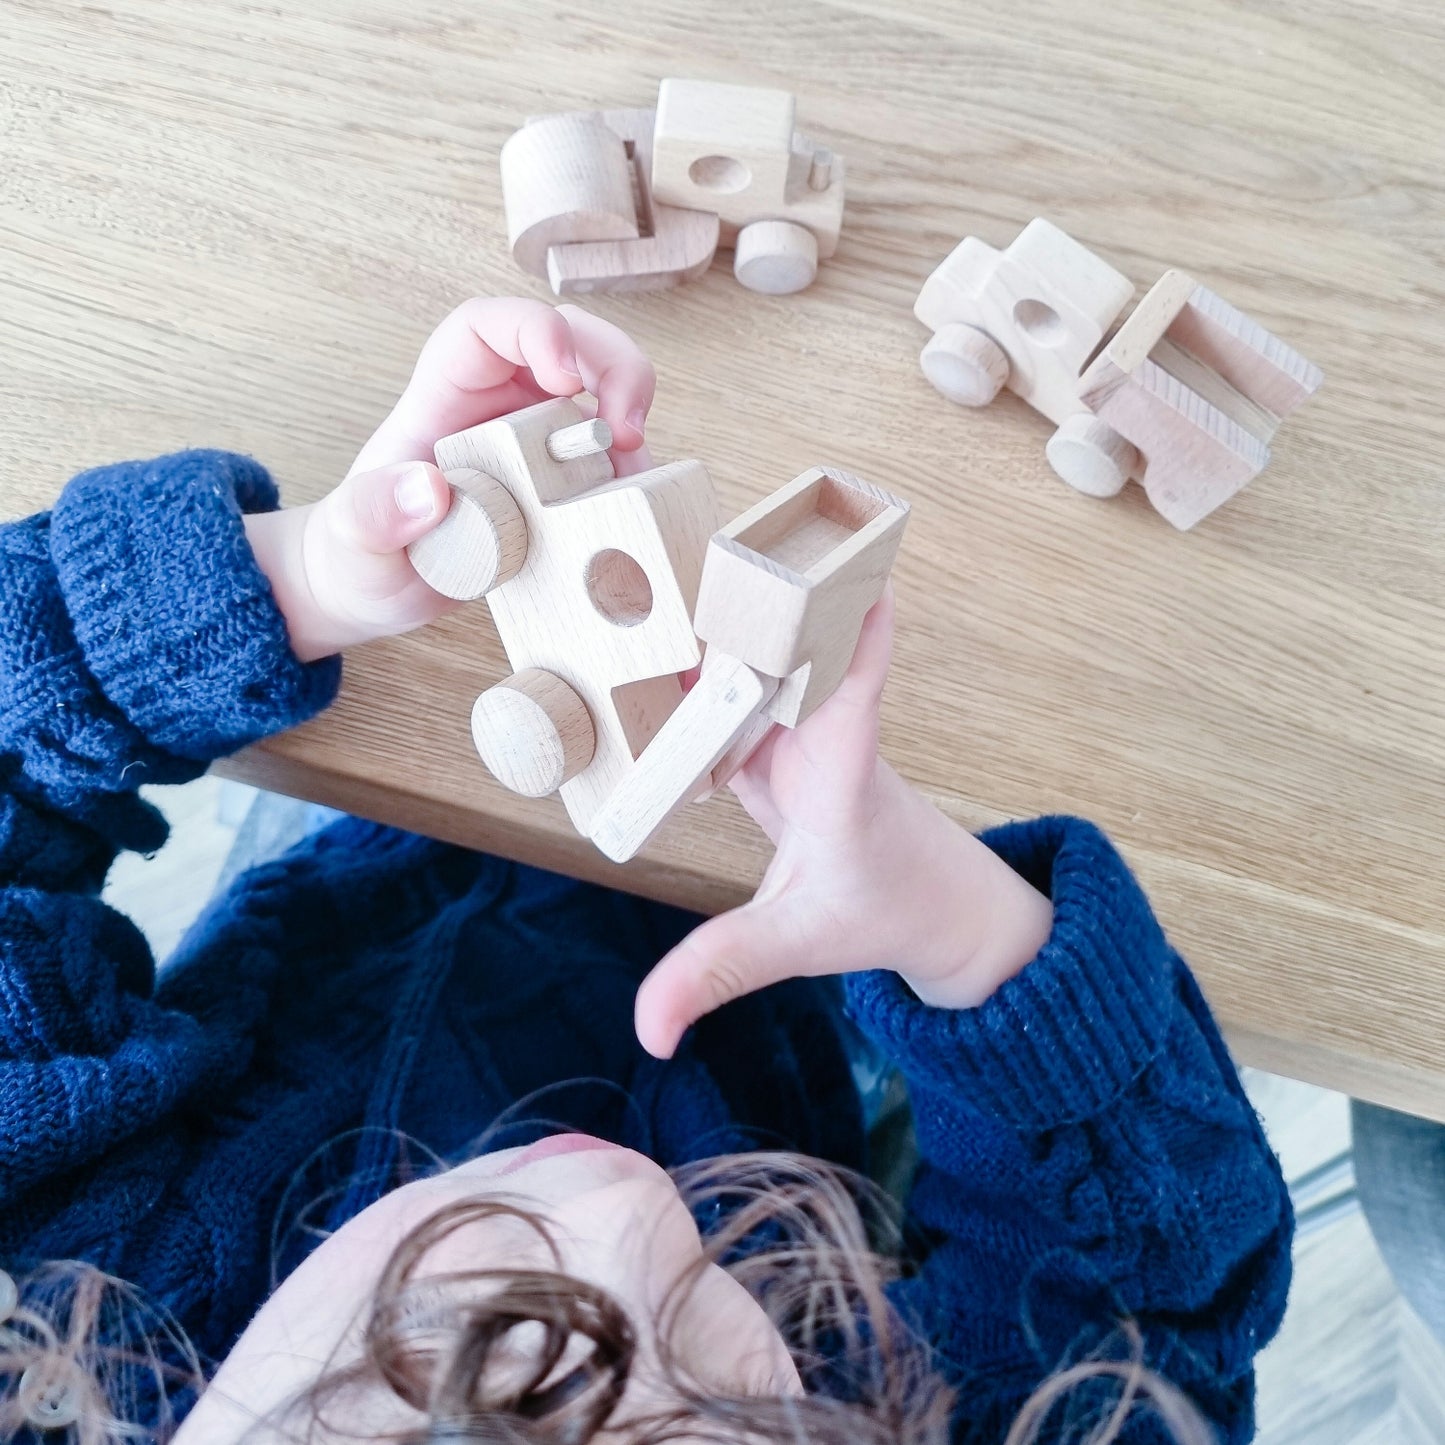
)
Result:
{"points": [[138, 641], [1088, 1157]]}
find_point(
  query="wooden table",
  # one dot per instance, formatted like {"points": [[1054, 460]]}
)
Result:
{"points": [[233, 225]]}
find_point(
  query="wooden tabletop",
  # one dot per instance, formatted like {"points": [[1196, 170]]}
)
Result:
{"points": [[231, 225]]}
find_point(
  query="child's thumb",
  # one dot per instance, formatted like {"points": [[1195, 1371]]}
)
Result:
{"points": [[386, 510], [728, 956]]}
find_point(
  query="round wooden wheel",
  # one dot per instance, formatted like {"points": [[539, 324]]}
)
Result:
{"points": [[775, 257], [1091, 456], [533, 732], [965, 364], [478, 545]]}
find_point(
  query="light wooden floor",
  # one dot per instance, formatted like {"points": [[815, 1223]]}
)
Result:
{"points": [[1352, 1365]]}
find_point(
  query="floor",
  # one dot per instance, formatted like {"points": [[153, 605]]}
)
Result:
{"points": [[1352, 1365]]}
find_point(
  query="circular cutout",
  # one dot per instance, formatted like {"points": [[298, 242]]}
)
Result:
{"points": [[965, 364], [1040, 323], [619, 588], [722, 174]]}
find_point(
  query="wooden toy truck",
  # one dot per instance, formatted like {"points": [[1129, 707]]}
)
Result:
{"points": [[1185, 396], [617, 200], [601, 587]]}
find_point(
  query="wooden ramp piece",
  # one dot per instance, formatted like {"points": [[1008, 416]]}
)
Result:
{"points": [[1199, 389]]}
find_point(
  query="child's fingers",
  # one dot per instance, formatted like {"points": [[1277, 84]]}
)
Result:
{"points": [[616, 372], [385, 510], [490, 356], [725, 958]]}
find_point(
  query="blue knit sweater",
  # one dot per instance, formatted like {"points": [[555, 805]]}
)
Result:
{"points": [[1087, 1151]]}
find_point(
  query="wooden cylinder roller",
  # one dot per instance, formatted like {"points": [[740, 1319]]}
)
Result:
{"points": [[533, 732], [1088, 454], [478, 545], [565, 178], [965, 364], [775, 257]]}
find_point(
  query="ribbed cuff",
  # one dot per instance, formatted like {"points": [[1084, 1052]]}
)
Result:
{"points": [[1066, 1037], [177, 622]]}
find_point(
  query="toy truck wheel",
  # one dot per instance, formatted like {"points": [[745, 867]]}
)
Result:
{"points": [[775, 257], [533, 732], [965, 364], [1091, 456], [478, 545]]}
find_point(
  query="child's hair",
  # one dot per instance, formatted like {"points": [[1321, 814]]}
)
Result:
{"points": [[534, 1357]]}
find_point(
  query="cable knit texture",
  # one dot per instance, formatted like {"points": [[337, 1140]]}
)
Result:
{"points": [[1087, 1153]]}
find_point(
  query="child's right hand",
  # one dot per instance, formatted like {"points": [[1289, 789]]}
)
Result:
{"points": [[867, 874], [339, 568]]}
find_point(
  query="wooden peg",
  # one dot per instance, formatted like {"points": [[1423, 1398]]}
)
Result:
{"points": [[478, 545], [786, 586], [1198, 389], [580, 440], [775, 257], [1046, 304], [533, 732]]}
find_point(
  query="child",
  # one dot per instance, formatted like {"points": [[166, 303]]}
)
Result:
{"points": [[1090, 1169]]}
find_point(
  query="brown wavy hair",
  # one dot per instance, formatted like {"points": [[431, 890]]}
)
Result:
{"points": [[535, 1357]]}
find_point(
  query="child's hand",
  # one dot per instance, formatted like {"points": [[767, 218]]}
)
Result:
{"points": [[867, 874], [339, 567]]}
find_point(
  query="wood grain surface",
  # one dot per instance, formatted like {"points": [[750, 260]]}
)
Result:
{"points": [[233, 225]]}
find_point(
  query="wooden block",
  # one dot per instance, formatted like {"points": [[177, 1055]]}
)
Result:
{"points": [[786, 586], [672, 244], [1046, 303], [478, 545], [723, 706], [1194, 385], [605, 597], [565, 178], [533, 732], [732, 150]]}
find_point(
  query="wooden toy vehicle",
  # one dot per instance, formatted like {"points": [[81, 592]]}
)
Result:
{"points": [[593, 582], [1185, 396], [619, 200]]}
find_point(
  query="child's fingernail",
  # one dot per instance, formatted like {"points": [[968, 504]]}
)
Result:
{"points": [[568, 363], [414, 494], [637, 419]]}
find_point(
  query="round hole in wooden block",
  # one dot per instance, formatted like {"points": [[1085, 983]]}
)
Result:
{"points": [[1040, 323], [965, 364], [1091, 456], [619, 588], [533, 732], [723, 174]]}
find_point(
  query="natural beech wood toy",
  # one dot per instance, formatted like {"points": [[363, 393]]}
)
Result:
{"points": [[1185, 396], [639, 200], [593, 582]]}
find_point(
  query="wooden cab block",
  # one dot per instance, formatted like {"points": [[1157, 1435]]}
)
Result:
{"points": [[1045, 304], [1198, 389], [732, 150], [786, 586], [604, 599], [580, 210]]}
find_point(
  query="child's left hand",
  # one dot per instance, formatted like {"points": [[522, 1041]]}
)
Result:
{"points": [[338, 567]]}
